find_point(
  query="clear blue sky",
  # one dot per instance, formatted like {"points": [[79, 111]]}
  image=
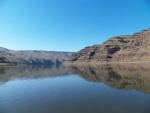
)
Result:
{"points": [[68, 25]]}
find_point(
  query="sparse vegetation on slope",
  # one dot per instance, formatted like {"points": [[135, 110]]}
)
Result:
{"points": [[11, 57], [121, 49]]}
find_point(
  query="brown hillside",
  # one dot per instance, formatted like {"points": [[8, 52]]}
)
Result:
{"points": [[31, 57], [127, 48]]}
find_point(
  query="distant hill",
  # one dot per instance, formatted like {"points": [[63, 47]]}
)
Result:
{"points": [[31, 57], [127, 48]]}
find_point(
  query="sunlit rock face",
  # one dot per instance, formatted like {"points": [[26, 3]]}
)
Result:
{"points": [[120, 48]]}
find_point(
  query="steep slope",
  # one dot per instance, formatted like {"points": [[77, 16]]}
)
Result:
{"points": [[32, 57], [121, 48]]}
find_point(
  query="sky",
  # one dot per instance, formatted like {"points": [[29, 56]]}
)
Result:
{"points": [[68, 25]]}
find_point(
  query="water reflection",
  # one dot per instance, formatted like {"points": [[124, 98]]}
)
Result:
{"points": [[8, 73], [75, 89], [120, 76]]}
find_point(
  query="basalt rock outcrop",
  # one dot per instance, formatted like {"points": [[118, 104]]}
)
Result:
{"points": [[127, 48], [31, 57]]}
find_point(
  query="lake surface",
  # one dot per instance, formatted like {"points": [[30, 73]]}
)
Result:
{"points": [[75, 89]]}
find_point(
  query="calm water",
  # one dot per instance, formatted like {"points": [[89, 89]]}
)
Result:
{"points": [[75, 89]]}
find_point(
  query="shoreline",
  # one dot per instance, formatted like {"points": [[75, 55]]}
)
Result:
{"points": [[82, 63], [127, 62]]}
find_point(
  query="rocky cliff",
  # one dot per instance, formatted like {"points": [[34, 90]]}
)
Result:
{"points": [[12, 57], [127, 48]]}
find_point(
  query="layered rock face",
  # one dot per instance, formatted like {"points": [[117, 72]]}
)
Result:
{"points": [[121, 48], [32, 57]]}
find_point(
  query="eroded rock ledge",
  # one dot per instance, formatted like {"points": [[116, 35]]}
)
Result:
{"points": [[127, 48]]}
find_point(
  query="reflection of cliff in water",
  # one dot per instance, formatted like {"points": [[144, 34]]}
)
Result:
{"points": [[31, 72], [121, 76]]}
